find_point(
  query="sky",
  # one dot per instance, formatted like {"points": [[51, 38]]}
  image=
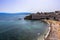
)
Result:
{"points": [[33, 6]]}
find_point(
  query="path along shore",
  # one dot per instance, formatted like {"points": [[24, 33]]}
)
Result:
{"points": [[55, 30]]}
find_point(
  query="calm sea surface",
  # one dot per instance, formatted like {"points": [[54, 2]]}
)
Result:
{"points": [[22, 29]]}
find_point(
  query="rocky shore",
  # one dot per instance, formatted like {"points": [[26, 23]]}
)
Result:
{"points": [[55, 30]]}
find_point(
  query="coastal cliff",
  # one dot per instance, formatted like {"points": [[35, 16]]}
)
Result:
{"points": [[44, 15]]}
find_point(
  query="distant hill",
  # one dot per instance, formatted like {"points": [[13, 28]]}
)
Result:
{"points": [[14, 13]]}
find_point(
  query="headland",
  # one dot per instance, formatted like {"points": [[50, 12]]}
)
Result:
{"points": [[53, 20]]}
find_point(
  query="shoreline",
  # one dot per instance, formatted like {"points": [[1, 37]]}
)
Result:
{"points": [[54, 33], [46, 35], [49, 29], [52, 19]]}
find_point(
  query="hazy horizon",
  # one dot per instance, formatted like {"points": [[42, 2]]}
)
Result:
{"points": [[33, 6]]}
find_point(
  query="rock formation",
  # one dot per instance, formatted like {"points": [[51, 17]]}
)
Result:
{"points": [[46, 15], [28, 17]]}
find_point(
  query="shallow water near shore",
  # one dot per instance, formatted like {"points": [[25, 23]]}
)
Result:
{"points": [[22, 30]]}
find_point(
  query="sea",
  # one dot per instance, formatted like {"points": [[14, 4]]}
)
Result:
{"points": [[14, 27]]}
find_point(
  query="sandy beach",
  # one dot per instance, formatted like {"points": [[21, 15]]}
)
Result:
{"points": [[55, 30]]}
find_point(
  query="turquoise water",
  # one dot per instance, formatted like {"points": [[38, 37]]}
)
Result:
{"points": [[21, 30], [13, 29]]}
